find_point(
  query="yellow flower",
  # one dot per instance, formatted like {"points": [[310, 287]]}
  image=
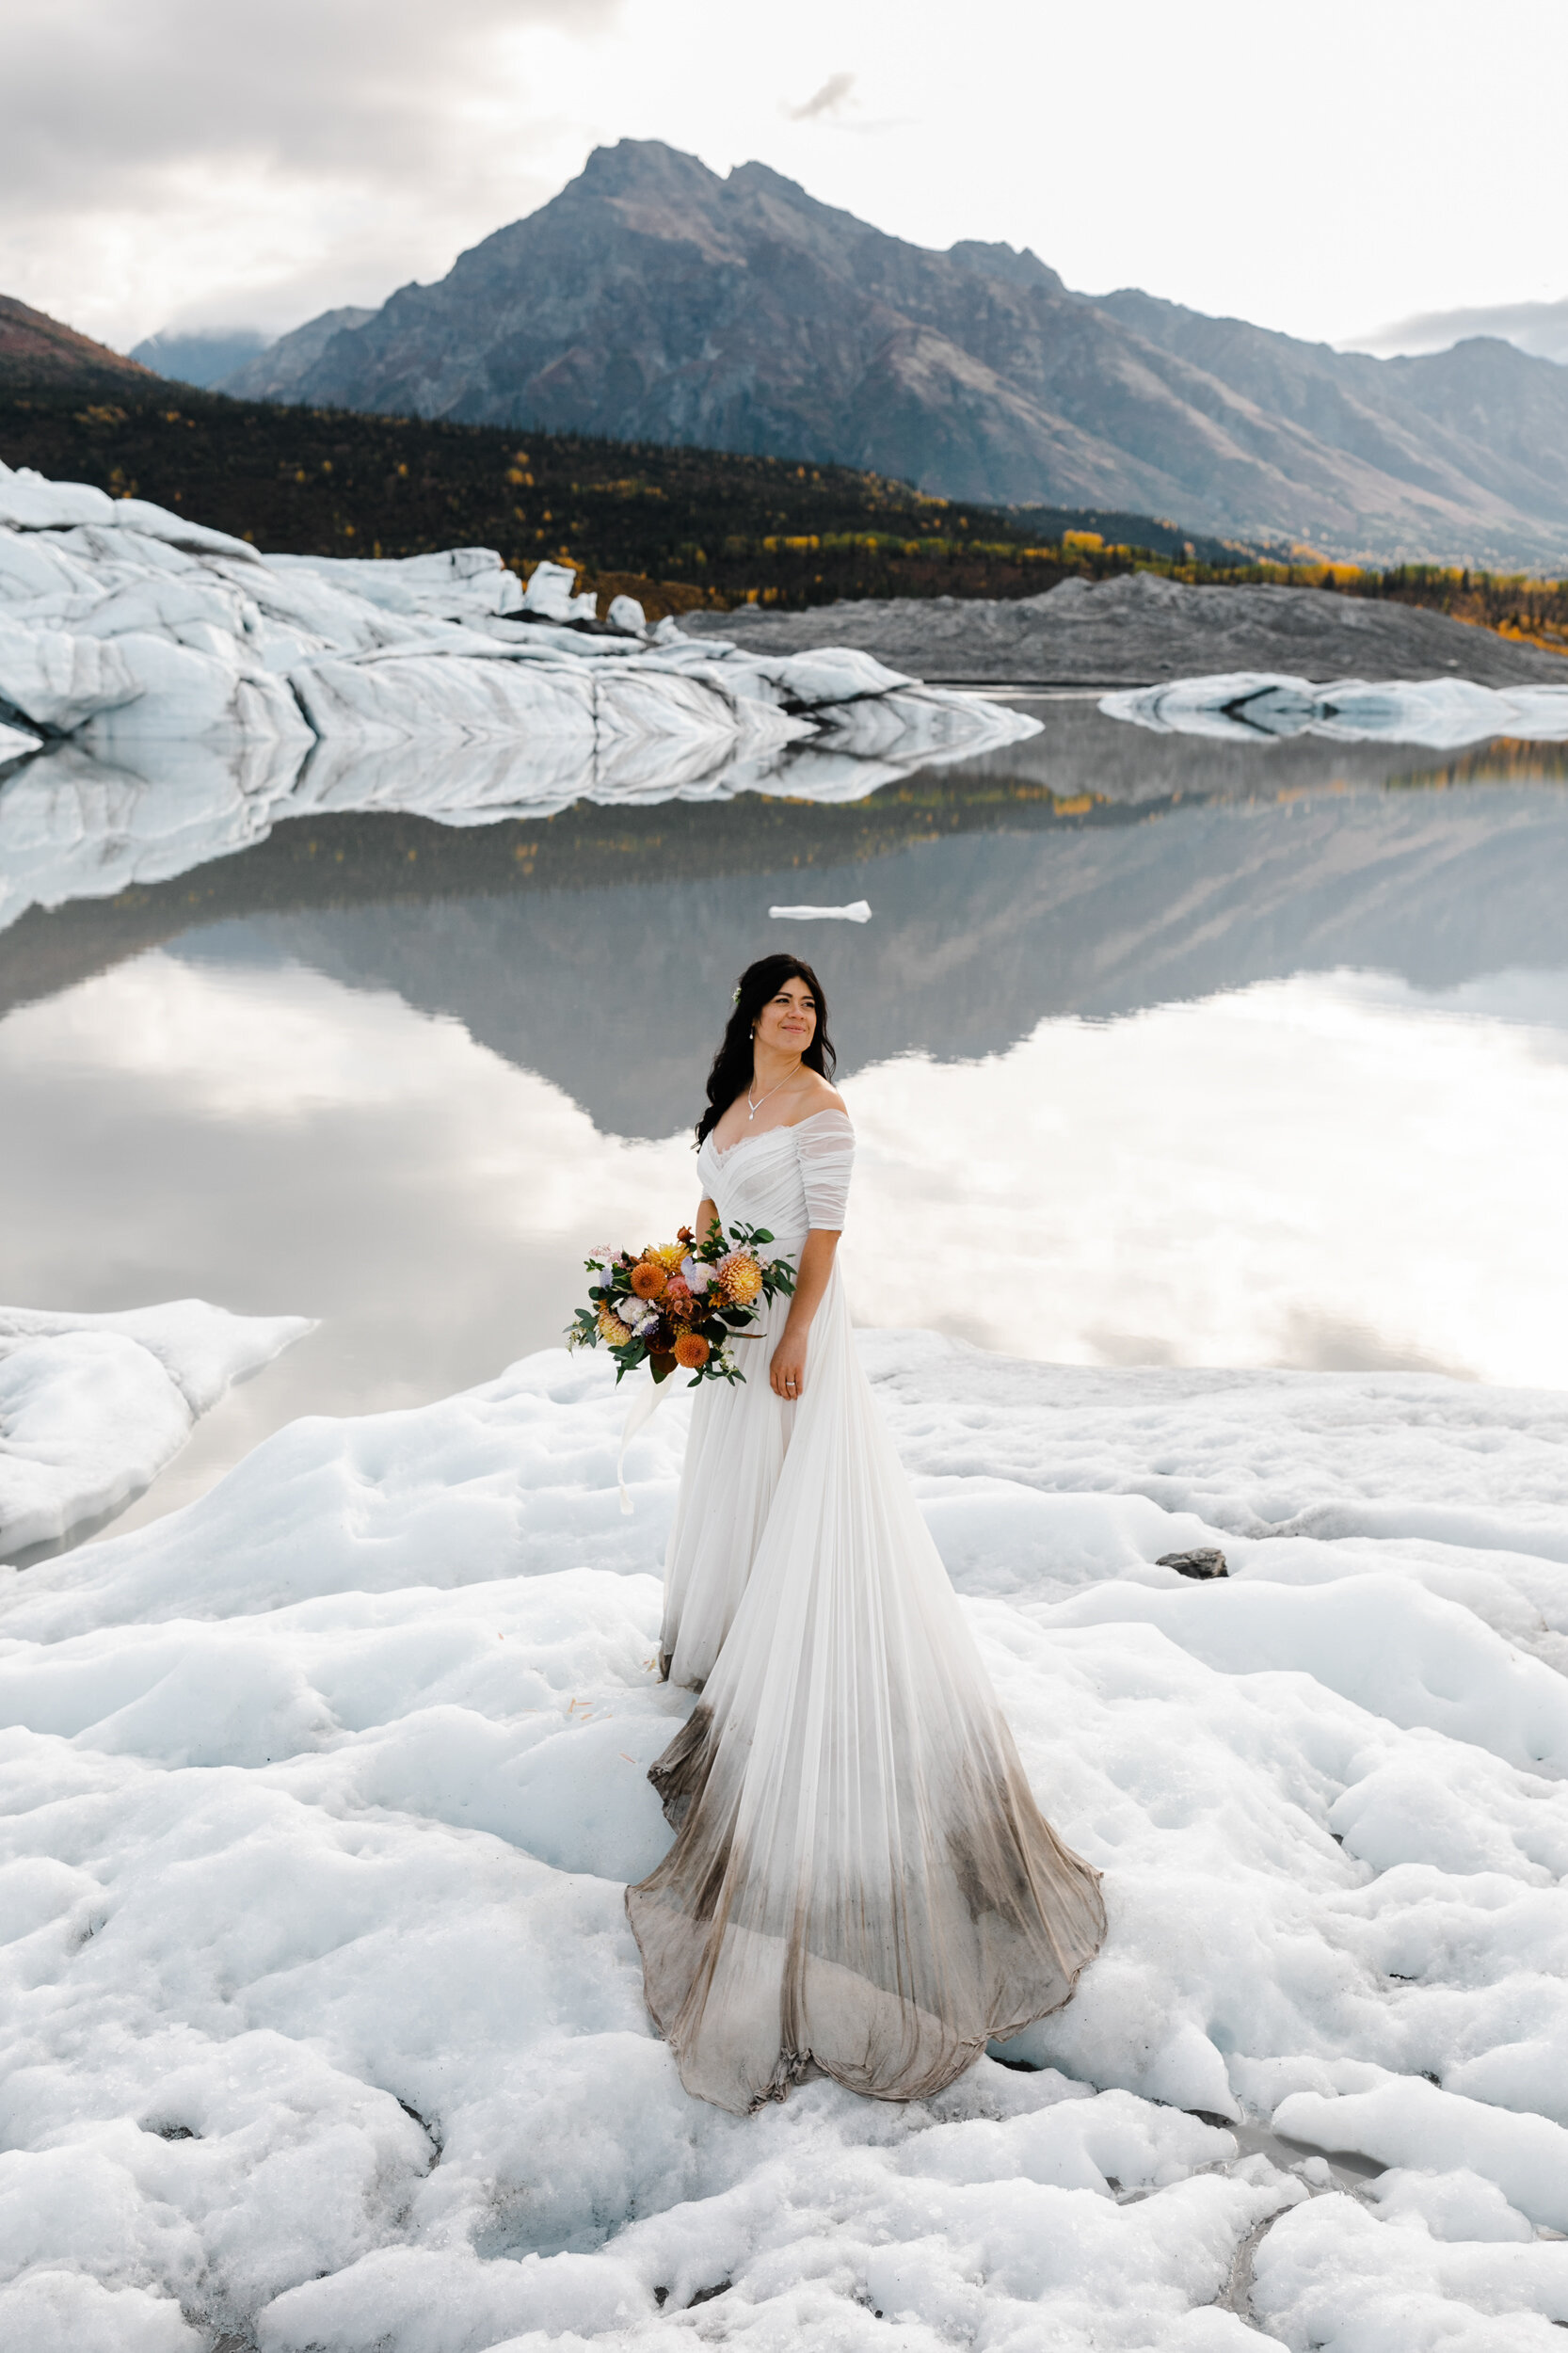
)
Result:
{"points": [[741, 1276], [612, 1329], [670, 1255]]}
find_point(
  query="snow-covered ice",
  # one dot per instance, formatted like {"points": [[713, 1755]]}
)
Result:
{"points": [[92, 1406], [1443, 713], [194, 694], [322, 2024]]}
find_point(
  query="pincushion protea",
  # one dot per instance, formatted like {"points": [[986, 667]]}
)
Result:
{"points": [[740, 1276]]}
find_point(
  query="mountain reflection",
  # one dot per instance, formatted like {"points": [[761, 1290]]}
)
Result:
{"points": [[1092, 871]]}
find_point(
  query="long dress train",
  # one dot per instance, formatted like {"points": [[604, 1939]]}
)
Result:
{"points": [[862, 1884]]}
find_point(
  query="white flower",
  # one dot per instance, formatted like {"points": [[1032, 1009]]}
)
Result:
{"points": [[697, 1276], [641, 1315]]}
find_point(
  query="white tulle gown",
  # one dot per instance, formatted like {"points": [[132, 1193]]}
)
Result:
{"points": [[862, 1884]]}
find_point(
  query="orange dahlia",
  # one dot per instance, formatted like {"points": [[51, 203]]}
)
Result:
{"points": [[742, 1277], [692, 1350], [647, 1278]]}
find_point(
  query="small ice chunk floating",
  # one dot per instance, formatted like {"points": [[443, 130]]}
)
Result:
{"points": [[1442, 714], [857, 911], [170, 694]]}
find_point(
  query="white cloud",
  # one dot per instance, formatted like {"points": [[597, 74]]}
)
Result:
{"points": [[1538, 327], [830, 100], [191, 163]]}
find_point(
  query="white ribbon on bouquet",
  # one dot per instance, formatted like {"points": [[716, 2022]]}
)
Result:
{"points": [[644, 1405], [642, 1410]]}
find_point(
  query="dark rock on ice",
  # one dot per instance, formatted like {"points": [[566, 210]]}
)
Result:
{"points": [[1202, 1563]]}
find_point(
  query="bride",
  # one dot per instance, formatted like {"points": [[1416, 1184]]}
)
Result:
{"points": [[863, 1886]]}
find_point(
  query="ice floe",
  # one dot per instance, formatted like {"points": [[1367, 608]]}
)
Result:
{"points": [[91, 1407], [183, 694], [857, 911], [323, 2025], [1443, 713]]}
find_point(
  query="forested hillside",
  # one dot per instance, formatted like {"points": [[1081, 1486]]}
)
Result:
{"points": [[678, 528]]}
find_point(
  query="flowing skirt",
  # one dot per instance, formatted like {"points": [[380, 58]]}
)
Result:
{"points": [[863, 1884]]}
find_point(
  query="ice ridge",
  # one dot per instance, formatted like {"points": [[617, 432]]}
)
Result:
{"points": [[170, 696]]}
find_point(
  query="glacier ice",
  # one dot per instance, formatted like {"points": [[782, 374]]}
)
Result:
{"points": [[322, 2024], [92, 1406], [16, 743], [180, 695], [1442, 714]]}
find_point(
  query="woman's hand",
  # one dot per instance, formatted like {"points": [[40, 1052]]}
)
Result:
{"points": [[786, 1372]]}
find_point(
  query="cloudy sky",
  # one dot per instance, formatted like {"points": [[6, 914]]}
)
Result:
{"points": [[1324, 168]]}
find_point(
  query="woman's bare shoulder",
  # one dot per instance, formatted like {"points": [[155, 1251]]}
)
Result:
{"points": [[820, 1096]]}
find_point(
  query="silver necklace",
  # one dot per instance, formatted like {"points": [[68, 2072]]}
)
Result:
{"points": [[755, 1107]]}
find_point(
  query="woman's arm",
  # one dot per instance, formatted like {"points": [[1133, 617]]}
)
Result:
{"points": [[786, 1372], [706, 1215]]}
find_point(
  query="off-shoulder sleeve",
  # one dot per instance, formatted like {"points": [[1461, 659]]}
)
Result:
{"points": [[826, 1142]]}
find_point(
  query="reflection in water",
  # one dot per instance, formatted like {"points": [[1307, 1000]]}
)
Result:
{"points": [[1266, 1072], [1329, 1172]]}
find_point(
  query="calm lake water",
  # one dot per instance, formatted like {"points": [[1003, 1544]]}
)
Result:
{"points": [[1160, 1051]]}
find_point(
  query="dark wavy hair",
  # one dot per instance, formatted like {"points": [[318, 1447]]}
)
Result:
{"points": [[732, 1071]]}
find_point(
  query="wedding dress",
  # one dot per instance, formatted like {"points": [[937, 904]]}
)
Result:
{"points": [[863, 1884]]}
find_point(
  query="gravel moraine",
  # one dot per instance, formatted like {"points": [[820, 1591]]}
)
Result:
{"points": [[1139, 628]]}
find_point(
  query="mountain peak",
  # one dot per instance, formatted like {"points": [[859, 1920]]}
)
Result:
{"points": [[762, 176], [652, 301], [1013, 267], [645, 168]]}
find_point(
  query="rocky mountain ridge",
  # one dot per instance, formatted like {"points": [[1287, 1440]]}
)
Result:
{"points": [[38, 352], [653, 300], [277, 373]]}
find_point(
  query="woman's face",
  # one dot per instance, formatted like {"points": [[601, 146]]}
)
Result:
{"points": [[788, 1022]]}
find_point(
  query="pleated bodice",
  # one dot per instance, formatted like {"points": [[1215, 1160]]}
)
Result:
{"points": [[786, 1179]]}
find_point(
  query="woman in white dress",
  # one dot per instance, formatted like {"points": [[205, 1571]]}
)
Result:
{"points": [[863, 1886]]}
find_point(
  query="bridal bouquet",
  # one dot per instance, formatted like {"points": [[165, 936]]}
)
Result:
{"points": [[681, 1302]]}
